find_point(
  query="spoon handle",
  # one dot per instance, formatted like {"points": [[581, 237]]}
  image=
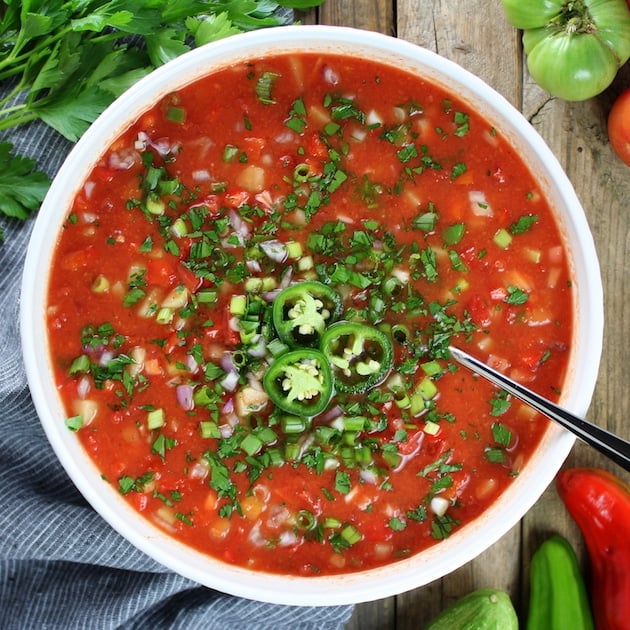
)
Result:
{"points": [[614, 447]]}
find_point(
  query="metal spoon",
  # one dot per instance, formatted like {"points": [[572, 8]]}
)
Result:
{"points": [[614, 447]]}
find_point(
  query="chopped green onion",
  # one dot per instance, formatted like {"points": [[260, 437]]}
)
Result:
{"points": [[209, 429], [431, 368], [427, 389], [305, 520], [165, 315], [207, 296], [351, 534], [251, 444], [293, 424], [154, 204], [264, 85]]}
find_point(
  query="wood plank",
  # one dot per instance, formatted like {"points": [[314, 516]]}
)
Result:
{"points": [[473, 34], [365, 14]]}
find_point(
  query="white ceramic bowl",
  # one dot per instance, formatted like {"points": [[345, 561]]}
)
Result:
{"points": [[472, 539]]}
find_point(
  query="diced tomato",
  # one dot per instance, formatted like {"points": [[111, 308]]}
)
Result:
{"points": [[103, 174], [376, 530], [172, 342], [139, 500], [315, 167], [236, 199], [316, 147], [161, 272], [211, 202], [73, 261], [479, 311], [413, 443], [188, 278], [532, 360], [500, 364], [499, 294], [253, 148]]}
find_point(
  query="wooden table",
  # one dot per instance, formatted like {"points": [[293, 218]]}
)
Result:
{"points": [[475, 34]]}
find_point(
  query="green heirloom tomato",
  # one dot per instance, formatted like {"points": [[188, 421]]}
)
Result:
{"points": [[574, 48]]}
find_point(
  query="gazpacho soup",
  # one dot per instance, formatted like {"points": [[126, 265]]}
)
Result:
{"points": [[251, 304]]}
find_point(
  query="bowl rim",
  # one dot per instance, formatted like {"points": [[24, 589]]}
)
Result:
{"points": [[392, 579]]}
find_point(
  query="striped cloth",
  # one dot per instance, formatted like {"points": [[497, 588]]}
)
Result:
{"points": [[61, 565]]}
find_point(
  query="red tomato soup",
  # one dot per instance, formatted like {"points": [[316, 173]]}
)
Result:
{"points": [[251, 304]]}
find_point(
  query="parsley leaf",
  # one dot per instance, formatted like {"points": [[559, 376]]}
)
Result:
{"points": [[22, 187]]}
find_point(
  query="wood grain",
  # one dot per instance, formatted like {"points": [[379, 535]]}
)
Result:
{"points": [[475, 34]]}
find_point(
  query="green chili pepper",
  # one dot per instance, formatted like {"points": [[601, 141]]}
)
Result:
{"points": [[302, 311], [300, 382], [361, 356]]}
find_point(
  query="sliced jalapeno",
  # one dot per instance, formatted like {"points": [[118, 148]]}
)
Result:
{"points": [[300, 382], [361, 356], [302, 311]]}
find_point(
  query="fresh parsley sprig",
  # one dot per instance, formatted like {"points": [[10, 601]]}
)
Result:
{"points": [[64, 61]]}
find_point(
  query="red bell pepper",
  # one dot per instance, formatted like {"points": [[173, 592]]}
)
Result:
{"points": [[599, 502]]}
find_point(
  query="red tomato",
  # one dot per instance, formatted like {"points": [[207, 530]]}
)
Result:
{"points": [[619, 126]]}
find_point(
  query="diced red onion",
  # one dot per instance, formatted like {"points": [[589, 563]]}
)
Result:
{"points": [[192, 364], [227, 363], [264, 199], [83, 387], [229, 381], [330, 76], [287, 538], [439, 505], [106, 357], [88, 189], [226, 430], [255, 536], [285, 281], [331, 414], [228, 408], [201, 175], [253, 266], [479, 204], [284, 137], [163, 146], [275, 250], [123, 160], [239, 226], [270, 296], [185, 397], [368, 476], [199, 470], [258, 350]]}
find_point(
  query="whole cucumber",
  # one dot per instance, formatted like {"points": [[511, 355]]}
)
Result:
{"points": [[483, 609], [558, 597]]}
